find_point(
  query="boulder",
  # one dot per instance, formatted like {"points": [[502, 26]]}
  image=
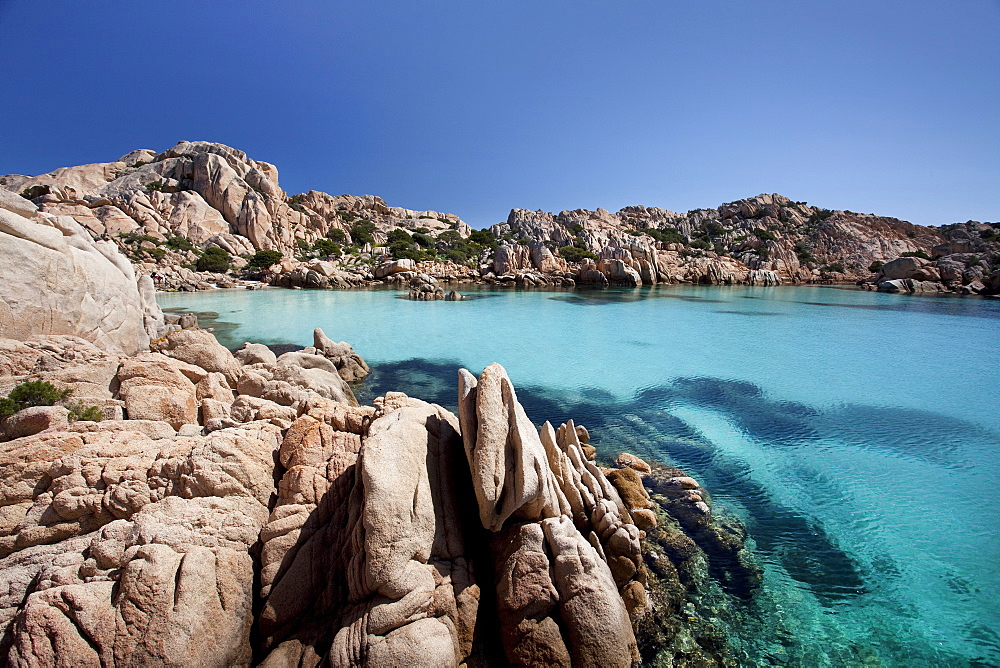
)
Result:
{"points": [[199, 347], [160, 544], [255, 353], [293, 385], [84, 288], [349, 364], [33, 420], [394, 267], [904, 267], [156, 390]]}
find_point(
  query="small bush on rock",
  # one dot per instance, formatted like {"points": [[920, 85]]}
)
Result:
{"points": [[79, 411], [214, 259], [31, 393], [264, 259], [574, 254], [37, 393]]}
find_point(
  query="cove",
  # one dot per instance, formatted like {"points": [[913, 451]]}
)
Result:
{"points": [[853, 433]]}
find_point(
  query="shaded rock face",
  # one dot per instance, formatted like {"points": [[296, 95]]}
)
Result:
{"points": [[558, 525], [86, 288]]}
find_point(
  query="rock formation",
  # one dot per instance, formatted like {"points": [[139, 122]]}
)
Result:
{"points": [[165, 209], [88, 288], [243, 509]]}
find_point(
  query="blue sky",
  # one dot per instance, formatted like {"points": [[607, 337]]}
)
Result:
{"points": [[474, 108]]}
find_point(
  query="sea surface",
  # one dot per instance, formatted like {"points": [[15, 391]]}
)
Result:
{"points": [[855, 434]]}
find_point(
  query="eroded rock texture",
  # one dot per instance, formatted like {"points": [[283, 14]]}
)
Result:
{"points": [[564, 544], [249, 512]]}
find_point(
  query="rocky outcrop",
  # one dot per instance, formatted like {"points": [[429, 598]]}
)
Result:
{"points": [[273, 521], [85, 287], [211, 195], [559, 526]]}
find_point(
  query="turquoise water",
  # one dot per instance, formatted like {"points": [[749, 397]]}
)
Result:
{"points": [[856, 434]]}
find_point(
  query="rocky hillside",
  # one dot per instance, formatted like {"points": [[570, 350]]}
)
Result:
{"points": [[212, 195], [209, 207], [764, 239]]}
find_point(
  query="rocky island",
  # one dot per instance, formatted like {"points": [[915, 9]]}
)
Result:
{"points": [[201, 215], [164, 500]]}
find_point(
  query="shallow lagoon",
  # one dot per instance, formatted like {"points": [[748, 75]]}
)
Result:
{"points": [[854, 433]]}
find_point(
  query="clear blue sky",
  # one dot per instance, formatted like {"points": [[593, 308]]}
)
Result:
{"points": [[472, 107]]}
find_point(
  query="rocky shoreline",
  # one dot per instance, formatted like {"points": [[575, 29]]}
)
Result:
{"points": [[242, 509]]}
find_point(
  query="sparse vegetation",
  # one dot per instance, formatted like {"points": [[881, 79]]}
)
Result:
{"points": [[326, 247], [264, 259], [764, 235], [666, 235], [818, 216], [79, 411], [483, 238], [803, 253], [31, 393], [361, 232], [922, 254], [876, 266], [835, 267], [576, 254], [154, 186], [214, 259]]}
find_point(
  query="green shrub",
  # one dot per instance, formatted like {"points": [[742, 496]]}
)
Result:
{"points": [[483, 238], [667, 235], [449, 237], [337, 236], [140, 163], [180, 243], [575, 254], [264, 259], [818, 216], [214, 259], [326, 247], [361, 233], [154, 186], [8, 407], [803, 253], [876, 266], [713, 229], [398, 235], [80, 411], [835, 267], [423, 240], [156, 253], [917, 253], [37, 393], [764, 235]]}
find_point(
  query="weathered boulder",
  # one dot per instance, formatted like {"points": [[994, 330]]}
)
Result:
{"points": [[255, 353], [149, 564], [33, 420], [199, 347], [155, 389], [84, 288], [530, 485], [293, 385], [905, 267], [394, 267], [350, 365]]}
